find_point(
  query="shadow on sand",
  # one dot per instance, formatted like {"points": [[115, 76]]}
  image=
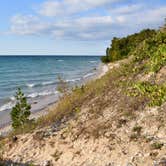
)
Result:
{"points": [[11, 163]]}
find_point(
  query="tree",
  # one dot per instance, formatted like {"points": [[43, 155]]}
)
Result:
{"points": [[121, 48], [21, 111], [107, 51]]}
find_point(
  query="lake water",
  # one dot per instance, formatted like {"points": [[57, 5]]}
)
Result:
{"points": [[37, 76]]}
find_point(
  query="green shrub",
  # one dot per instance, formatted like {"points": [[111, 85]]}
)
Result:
{"points": [[158, 59], [105, 59], [157, 145], [155, 93], [21, 111]]}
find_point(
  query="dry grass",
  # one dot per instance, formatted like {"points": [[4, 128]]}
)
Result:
{"points": [[71, 102], [101, 93]]}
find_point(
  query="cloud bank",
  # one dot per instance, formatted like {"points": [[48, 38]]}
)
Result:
{"points": [[88, 19]]}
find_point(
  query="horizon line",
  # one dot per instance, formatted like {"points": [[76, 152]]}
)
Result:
{"points": [[48, 55]]}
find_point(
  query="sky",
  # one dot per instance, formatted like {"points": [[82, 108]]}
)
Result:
{"points": [[73, 27]]}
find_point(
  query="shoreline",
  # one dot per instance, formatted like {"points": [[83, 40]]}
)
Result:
{"points": [[5, 128]]}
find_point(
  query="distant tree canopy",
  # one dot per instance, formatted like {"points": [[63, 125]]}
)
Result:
{"points": [[123, 47]]}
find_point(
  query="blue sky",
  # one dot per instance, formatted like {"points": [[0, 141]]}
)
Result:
{"points": [[72, 27]]}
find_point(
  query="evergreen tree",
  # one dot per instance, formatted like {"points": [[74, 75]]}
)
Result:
{"points": [[21, 111], [107, 51]]}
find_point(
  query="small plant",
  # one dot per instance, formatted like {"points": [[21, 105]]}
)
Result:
{"points": [[31, 164], [21, 111], [134, 136], [157, 145], [136, 133], [137, 129], [62, 85], [77, 110], [129, 114], [121, 122], [57, 155]]}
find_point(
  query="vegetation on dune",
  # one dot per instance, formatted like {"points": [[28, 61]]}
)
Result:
{"points": [[21, 111], [154, 50], [147, 53], [148, 43], [148, 50], [155, 93], [123, 47], [71, 102], [63, 86]]}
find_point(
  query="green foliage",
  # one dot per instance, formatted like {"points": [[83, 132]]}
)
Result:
{"points": [[157, 145], [158, 56], [148, 44], [105, 59], [158, 59], [31, 164], [107, 51], [153, 50], [155, 93], [21, 111], [134, 136], [123, 47], [137, 129], [136, 133]]}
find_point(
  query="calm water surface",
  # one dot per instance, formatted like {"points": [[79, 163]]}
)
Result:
{"points": [[37, 75]]}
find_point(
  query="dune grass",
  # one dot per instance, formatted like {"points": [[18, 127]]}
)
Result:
{"points": [[149, 55], [71, 102]]}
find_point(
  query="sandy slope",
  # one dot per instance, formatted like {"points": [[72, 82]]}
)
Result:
{"points": [[99, 135]]}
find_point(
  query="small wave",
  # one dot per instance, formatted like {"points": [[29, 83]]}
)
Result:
{"points": [[10, 104], [73, 80], [12, 98], [6, 106], [60, 60], [44, 93], [48, 83], [30, 85], [88, 75], [92, 61], [40, 84]]}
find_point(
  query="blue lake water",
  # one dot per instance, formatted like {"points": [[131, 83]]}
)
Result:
{"points": [[37, 76]]}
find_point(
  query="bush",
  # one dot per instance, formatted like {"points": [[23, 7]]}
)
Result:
{"points": [[21, 111], [155, 93], [105, 59]]}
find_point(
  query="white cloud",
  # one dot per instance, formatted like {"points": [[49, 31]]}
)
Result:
{"points": [[66, 7], [58, 33], [51, 8], [94, 21], [27, 25], [103, 25], [127, 9], [145, 18]]}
